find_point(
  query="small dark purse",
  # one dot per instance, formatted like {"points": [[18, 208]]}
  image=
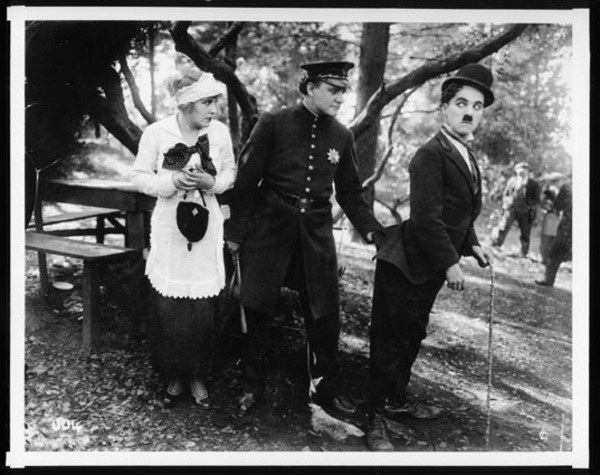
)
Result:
{"points": [[192, 221]]}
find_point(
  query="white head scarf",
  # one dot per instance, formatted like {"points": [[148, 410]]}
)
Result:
{"points": [[205, 86]]}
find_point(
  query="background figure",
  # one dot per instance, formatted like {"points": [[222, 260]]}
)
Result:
{"points": [[281, 223], [550, 216], [185, 160], [519, 201], [561, 248]]}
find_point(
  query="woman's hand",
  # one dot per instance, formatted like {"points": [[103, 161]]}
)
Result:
{"points": [[191, 179]]}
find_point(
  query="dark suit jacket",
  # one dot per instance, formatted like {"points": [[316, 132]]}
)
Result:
{"points": [[443, 208]]}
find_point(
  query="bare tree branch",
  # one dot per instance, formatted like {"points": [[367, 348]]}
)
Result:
{"points": [[390, 146], [110, 111], [415, 78], [185, 44], [393, 208], [135, 90], [230, 35]]}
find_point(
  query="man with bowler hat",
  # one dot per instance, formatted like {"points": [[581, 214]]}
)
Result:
{"points": [[281, 224], [423, 252]]}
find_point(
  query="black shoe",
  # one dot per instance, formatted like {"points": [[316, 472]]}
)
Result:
{"points": [[544, 283], [173, 392], [247, 402], [378, 439], [412, 409], [336, 406]]}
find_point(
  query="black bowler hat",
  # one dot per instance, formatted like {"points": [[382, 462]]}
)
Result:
{"points": [[477, 76], [335, 73]]}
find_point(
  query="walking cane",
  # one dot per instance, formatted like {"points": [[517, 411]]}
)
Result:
{"points": [[489, 383], [238, 276]]}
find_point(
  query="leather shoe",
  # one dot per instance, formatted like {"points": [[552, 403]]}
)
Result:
{"points": [[544, 283], [173, 392], [335, 405], [247, 402], [412, 409], [378, 439], [199, 393]]}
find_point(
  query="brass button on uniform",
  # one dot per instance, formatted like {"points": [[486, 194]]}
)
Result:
{"points": [[308, 178], [310, 167], [307, 190]]}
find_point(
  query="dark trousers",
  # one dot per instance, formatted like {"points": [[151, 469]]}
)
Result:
{"points": [[560, 251], [322, 335], [398, 325], [523, 219]]}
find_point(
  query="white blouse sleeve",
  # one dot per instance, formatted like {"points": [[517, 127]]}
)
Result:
{"points": [[226, 174], [144, 173]]}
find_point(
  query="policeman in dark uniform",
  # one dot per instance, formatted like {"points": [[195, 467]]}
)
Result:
{"points": [[281, 224]]}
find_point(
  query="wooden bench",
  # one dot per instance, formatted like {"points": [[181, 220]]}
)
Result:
{"points": [[93, 255], [100, 214]]}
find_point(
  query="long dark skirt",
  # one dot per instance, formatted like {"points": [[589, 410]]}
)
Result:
{"points": [[182, 336]]}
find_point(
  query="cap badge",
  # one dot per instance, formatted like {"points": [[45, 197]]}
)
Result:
{"points": [[333, 156]]}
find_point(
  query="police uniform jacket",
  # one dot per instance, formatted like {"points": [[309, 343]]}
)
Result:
{"points": [[444, 203], [293, 155]]}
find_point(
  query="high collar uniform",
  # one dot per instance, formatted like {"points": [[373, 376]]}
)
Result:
{"points": [[295, 153]]}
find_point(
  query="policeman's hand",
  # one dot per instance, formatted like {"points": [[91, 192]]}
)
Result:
{"points": [[234, 247], [483, 258], [455, 279], [377, 237]]}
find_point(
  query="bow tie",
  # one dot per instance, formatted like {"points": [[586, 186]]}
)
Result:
{"points": [[179, 155]]}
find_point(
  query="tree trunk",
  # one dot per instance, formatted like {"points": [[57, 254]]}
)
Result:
{"points": [[151, 36], [373, 58], [234, 116]]}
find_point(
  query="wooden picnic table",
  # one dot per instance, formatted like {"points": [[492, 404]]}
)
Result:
{"points": [[120, 195]]}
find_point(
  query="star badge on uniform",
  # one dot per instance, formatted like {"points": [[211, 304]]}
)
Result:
{"points": [[333, 156]]}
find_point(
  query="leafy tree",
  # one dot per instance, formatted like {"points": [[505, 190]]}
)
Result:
{"points": [[84, 73]]}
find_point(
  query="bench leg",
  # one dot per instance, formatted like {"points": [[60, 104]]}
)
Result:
{"points": [[44, 280], [135, 230], [92, 313], [42, 262], [100, 230]]}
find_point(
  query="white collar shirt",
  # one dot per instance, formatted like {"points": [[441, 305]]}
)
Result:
{"points": [[461, 148]]}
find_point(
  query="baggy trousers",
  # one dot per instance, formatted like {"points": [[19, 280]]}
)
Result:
{"points": [[322, 335], [400, 315]]}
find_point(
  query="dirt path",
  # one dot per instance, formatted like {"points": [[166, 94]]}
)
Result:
{"points": [[109, 401]]}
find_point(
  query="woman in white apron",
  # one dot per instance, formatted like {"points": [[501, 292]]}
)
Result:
{"points": [[185, 158]]}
